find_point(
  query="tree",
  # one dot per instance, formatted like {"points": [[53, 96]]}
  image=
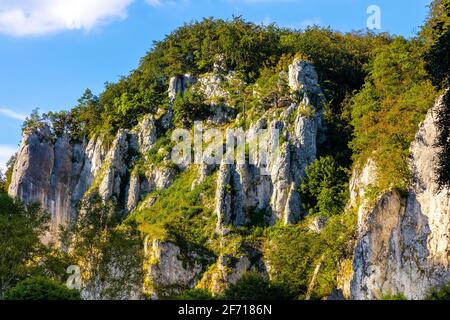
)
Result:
{"points": [[109, 254], [9, 171], [41, 288], [189, 107], [254, 286], [34, 120], [442, 142], [442, 293], [437, 30], [324, 188], [21, 228], [2, 183], [291, 253]]}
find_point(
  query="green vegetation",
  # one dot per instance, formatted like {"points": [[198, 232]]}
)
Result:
{"points": [[293, 252], [324, 190], [387, 111], [23, 255], [181, 214], [393, 297], [188, 108], [440, 294], [20, 247], [437, 60], [41, 288], [194, 294], [109, 254], [254, 286]]}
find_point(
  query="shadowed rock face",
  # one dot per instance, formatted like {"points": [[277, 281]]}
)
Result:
{"points": [[57, 172], [47, 171], [403, 242]]}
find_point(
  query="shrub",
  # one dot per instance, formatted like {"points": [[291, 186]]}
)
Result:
{"points": [[392, 297], [324, 189], [254, 286], [440, 294], [41, 288], [194, 294]]}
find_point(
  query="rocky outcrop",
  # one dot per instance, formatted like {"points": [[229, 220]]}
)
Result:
{"points": [[169, 271], [179, 84], [58, 172], [114, 171], [403, 241], [286, 147], [154, 178], [145, 135], [227, 270], [54, 172]]}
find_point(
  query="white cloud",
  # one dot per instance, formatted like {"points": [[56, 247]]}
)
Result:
{"points": [[159, 3], [262, 1], [6, 151], [12, 114], [36, 17]]}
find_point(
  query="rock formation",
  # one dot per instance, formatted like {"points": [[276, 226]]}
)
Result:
{"points": [[403, 241]]}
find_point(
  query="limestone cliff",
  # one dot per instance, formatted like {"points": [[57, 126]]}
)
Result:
{"points": [[403, 240], [59, 172]]}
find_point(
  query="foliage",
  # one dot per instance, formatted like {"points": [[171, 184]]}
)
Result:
{"points": [[324, 188], [109, 254], [181, 214], [387, 111], [189, 107], [3, 188], [440, 294], [20, 230], [443, 142], [393, 297], [254, 286], [272, 90], [41, 288], [293, 253], [9, 171], [34, 120], [194, 294]]}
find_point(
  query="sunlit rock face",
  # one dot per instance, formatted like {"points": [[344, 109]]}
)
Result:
{"points": [[58, 172], [271, 182], [403, 241]]}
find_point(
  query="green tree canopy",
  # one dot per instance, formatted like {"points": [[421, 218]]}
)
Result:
{"points": [[41, 288], [324, 189], [20, 230]]}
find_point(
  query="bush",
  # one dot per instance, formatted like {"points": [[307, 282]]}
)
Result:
{"points": [[393, 297], [21, 228], [254, 286], [194, 294], [397, 88], [41, 288], [440, 294], [189, 107], [324, 189]]}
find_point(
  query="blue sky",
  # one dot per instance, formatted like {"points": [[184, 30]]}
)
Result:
{"points": [[51, 50]]}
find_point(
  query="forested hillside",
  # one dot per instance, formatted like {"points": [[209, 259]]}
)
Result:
{"points": [[139, 226]]}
